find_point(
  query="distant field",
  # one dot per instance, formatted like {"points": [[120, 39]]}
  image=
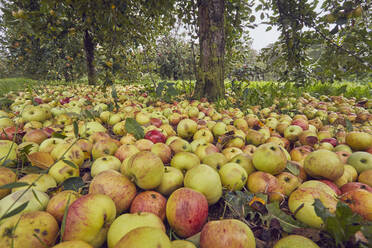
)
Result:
{"points": [[14, 84]]}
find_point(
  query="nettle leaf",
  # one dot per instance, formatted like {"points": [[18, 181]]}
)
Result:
{"points": [[293, 168], [14, 185], [321, 210], [286, 221], [238, 202], [70, 163], [133, 127], [76, 129], [73, 183], [58, 135]]}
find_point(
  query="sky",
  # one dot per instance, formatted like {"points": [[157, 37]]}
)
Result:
{"points": [[261, 38]]}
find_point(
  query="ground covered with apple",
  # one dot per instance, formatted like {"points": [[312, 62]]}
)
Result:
{"points": [[86, 167]]}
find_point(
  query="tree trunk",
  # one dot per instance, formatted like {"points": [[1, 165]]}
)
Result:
{"points": [[210, 75], [89, 51]]}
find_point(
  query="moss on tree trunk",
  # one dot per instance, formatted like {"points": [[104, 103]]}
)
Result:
{"points": [[89, 52]]}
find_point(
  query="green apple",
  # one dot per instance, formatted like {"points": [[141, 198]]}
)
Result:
{"points": [[34, 113], [36, 229], [172, 180], [219, 129], [49, 144], [179, 145], [359, 141], [289, 182], [323, 164], [6, 122], [269, 158], [204, 134], [104, 147], [292, 132], [206, 180], [36, 201], [186, 128], [305, 197], [117, 186], [145, 237], [73, 244], [255, 137], [182, 244], [215, 160], [105, 163], [233, 176], [350, 175], [295, 241], [69, 152], [61, 171], [364, 177], [91, 127], [89, 218], [44, 183], [361, 161], [145, 169], [319, 185], [184, 161], [128, 222], [8, 152]]}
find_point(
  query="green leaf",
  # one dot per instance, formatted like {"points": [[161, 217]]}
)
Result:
{"points": [[15, 211], [14, 185], [159, 89], [36, 197], [76, 129], [26, 149], [114, 94], [293, 168], [132, 127], [73, 183], [321, 210], [286, 221], [238, 202], [58, 135], [70, 163], [63, 224], [195, 239], [349, 125]]}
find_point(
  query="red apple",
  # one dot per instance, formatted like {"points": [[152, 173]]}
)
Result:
{"points": [[149, 201], [354, 186], [187, 211], [332, 141], [155, 136], [332, 185], [360, 201], [156, 122]]}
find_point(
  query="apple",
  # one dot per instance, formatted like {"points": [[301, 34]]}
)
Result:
{"points": [[361, 161], [115, 185], [321, 186], [227, 233], [262, 182], [126, 150], [128, 222], [206, 180], [233, 176], [37, 200], [8, 152], [69, 152], [360, 201], [182, 244], [163, 151], [255, 137], [143, 118], [36, 229], [98, 136], [91, 127], [144, 237], [43, 183], [35, 135], [186, 211], [57, 204], [308, 137], [61, 171], [34, 113], [354, 186], [204, 134], [184, 161], [219, 129], [305, 197], [156, 122], [269, 158], [215, 160], [324, 164], [205, 149], [172, 180], [145, 169], [295, 241], [49, 144], [344, 148], [88, 219], [343, 156], [249, 149], [359, 141], [128, 139], [6, 176], [144, 144], [119, 128], [186, 128], [289, 182], [350, 175], [231, 152], [179, 145], [73, 244], [105, 163], [149, 201], [301, 123], [104, 147], [155, 136], [293, 132], [332, 185], [364, 177]]}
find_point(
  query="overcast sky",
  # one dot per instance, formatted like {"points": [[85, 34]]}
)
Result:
{"points": [[261, 38]]}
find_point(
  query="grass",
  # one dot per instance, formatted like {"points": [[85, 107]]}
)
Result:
{"points": [[14, 84]]}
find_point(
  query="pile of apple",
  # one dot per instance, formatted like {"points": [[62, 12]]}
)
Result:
{"points": [[189, 156]]}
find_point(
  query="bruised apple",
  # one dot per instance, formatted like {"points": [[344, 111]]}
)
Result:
{"points": [[145, 237], [360, 201], [149, 201], [230, 233], [57, 204], [186, 211]]}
